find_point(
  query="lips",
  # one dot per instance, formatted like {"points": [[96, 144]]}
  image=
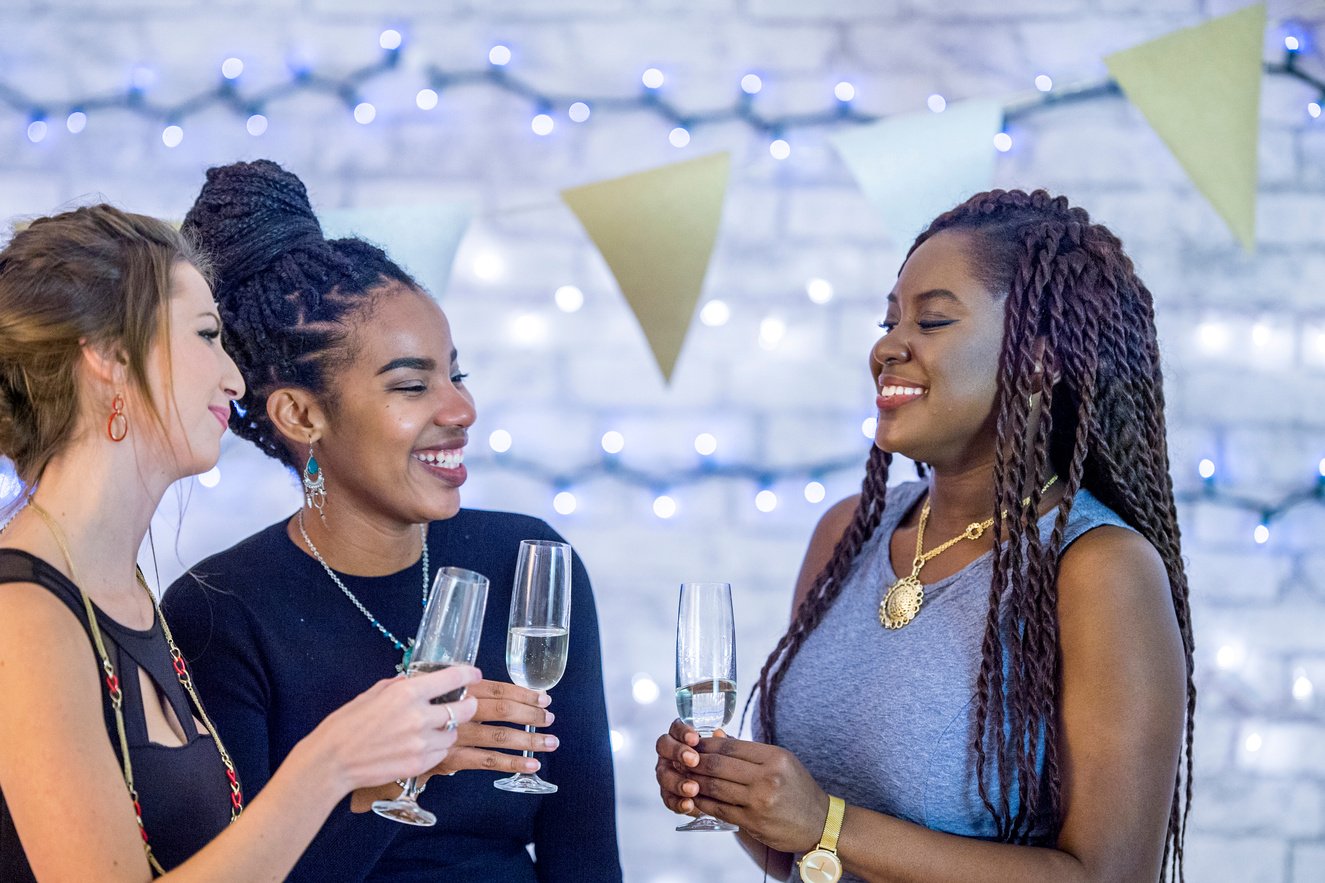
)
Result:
{"points": [[222, 415], [895, 392], [447, 464]]}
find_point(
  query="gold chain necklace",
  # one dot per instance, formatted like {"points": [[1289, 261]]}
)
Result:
{"points": [[112, 683], [904, 597]]}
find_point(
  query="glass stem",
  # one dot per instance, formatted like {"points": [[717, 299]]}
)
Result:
{"points": [[411, 789], [531, 729]]}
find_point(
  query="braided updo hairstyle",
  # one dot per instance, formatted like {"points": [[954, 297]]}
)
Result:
{"points": [[1068, 282], [290, 298]]}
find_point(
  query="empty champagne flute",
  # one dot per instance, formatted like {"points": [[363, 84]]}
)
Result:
{"points": [[538, 637], [448, 635], [706, 668]]}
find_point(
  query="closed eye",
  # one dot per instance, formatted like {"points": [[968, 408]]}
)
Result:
{"points": [[458, 378]]}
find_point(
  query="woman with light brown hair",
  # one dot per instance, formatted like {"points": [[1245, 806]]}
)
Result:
{"points": [[113, 385]]}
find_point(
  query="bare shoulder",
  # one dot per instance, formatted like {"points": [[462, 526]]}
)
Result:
{"points": [[31, 616], [1113, 568], [827, 532]]}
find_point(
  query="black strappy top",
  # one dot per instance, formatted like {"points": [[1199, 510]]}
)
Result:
{"points": [[183, 791]]}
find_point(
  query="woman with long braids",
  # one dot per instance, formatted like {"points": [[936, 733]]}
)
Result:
{"points": [[354, 383], [113, 385], [988, 673]]}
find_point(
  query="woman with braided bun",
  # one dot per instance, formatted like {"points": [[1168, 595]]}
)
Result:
{"points": [[1016, 623], [113, 385], [352, 381]]}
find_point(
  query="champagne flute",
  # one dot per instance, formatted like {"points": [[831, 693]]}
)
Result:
{"points": [[448, 635], [706, 668], [539, 634]]}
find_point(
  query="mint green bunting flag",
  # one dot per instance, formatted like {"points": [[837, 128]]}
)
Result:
{"points": [[422, 239]]}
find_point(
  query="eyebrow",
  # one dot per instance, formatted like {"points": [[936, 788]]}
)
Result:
{"points": [[932, 294], [415, 362]]}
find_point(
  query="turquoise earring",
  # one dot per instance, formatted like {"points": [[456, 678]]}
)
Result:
{"points": [[315, 483]]}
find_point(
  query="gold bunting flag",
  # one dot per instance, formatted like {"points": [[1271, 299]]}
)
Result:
{"points": [[1200, 90], [656, 231]]}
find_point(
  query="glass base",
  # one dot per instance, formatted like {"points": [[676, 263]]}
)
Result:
{"points": [[404, 811], [708, 823], [525, 783]]}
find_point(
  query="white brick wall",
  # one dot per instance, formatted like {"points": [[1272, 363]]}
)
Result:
{"points": [[1258, 409]]}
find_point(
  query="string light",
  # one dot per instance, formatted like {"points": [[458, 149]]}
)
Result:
{"points": [[529, 329], [1302, 687], [75, 122], [664, 506], [771, 332], [1253, 742], [489, 266], [364, 113], [1044, 83], [1230, 656], [569, 298], [171, 136], [766, 500], [820, 291], [304, 78], [644, 689], [210, 478], [542, 124], [1206, 468], [564, 502], [678, 137], [706, 443], [868, 426], [500, 441], [613, 442], [715, 313], [426, 99], [779, 148], [1003, 142], [815, 492], [37, 131], [231, 68], [1261, 534], [618, 740], [1313, 109], [256, 125]]}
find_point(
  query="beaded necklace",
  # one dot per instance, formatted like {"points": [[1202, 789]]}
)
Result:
{"points": [[406, 647], [116, 695]]}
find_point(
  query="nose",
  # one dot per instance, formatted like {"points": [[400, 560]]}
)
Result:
{"points": [[890, 349], [456, 409], [232, 382]]}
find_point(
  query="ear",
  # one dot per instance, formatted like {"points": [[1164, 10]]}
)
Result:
{"points": [[297, 415], [106, 366]]}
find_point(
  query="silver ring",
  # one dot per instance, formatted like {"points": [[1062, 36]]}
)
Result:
{"points": [[452, 723]]}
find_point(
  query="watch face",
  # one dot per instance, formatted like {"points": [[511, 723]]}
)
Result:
{"points": [[820, 866]]}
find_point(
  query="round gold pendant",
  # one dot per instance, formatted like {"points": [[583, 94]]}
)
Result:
{"points": [[902, 603]]}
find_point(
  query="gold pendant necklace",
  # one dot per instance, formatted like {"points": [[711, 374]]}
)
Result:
{"points": [[904, 598]]}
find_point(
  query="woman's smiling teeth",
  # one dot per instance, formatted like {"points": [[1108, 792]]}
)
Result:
{"points": [[900, 392], [444, 459]]}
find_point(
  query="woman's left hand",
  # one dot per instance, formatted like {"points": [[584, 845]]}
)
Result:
{"points": [[762, 788]]}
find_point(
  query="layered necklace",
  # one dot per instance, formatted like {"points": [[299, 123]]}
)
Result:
{"points": [[403, 646], [904, 597], [116, 695]]}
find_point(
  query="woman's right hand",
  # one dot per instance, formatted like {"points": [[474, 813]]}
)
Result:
{"points": [[392, 730], [678, 753], [477, 743]]}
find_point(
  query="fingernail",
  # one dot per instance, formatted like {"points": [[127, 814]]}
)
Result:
{"points": [[550, 718], [550, 742], [544, 700], [531, 766], [690, 757]]}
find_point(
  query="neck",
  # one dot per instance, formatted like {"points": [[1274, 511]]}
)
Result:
{"points": [[965, 495], [102, 505], [354, 542]]}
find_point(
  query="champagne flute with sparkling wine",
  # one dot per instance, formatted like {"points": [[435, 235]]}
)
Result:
{"points": [[706, 668], [448, 635], [539, 634]]}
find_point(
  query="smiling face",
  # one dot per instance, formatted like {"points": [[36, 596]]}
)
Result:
{"points": [[936, 366], [393, 445], [202, 378]]}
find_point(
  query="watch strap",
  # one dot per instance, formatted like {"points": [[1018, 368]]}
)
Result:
{"points": [[837, 809]]}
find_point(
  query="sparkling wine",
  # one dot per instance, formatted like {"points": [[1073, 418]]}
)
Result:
{"points": [[536, 657], [707, 705], [418, 668]]}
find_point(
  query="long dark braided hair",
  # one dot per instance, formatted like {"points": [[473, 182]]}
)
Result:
{"points": [[1069, 284], [288, 296]]}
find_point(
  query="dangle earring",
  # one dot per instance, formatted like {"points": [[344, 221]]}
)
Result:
{"points": [[315, 484], [117, 427]]}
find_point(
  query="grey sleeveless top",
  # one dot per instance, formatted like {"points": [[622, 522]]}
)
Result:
{"points": [[886, 719]]}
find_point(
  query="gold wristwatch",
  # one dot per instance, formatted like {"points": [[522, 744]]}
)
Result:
{"points": [[821, 864]]}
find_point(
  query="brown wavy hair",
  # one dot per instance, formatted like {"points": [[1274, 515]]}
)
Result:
{"points": [[1069, 283], [95, 276]]}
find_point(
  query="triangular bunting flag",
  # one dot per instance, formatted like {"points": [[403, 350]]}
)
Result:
{"points": [[1200, 90], [916, 166], [656, 231], [422, 239]]}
